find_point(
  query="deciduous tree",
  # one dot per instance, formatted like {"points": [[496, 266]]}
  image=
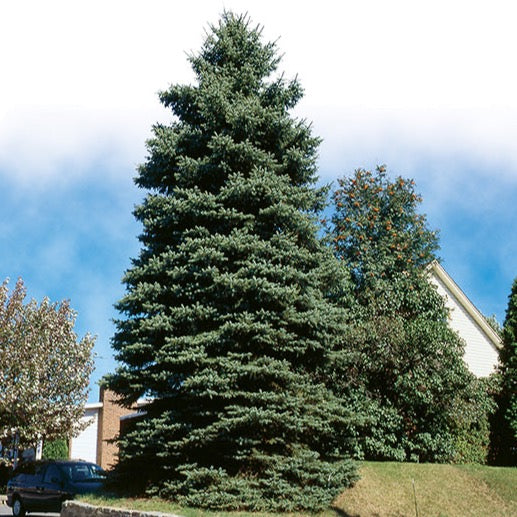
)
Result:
{"points": [[408, 374], [44, 368]]}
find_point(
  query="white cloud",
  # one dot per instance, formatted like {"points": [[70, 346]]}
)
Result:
{"points": [[408, 138], [38, 145], [396, 78]]}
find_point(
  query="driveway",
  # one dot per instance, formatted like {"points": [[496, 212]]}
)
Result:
{"points": [[5, 510]]}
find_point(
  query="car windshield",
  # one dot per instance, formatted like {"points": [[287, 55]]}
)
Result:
{"points": [[83, 472]]}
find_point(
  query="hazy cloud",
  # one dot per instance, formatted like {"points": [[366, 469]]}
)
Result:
{"points": [[393, 79]]}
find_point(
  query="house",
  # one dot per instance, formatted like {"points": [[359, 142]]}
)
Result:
{"points": [[95, 442], [482, 343], [481, 355]]}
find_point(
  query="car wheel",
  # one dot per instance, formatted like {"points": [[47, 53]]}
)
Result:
{"points": [[18, 508]]}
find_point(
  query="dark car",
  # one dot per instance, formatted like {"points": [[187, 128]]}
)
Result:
{"points": [[41, 486]]}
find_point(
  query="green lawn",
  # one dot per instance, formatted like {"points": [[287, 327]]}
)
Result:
{"points": [[439, 490], [386, 489]]}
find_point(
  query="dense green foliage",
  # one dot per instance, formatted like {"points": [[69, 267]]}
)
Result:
{"points": [[55, 449], [226, 323], [504, 421], [509, 364], [408, 376], [378, 231]]}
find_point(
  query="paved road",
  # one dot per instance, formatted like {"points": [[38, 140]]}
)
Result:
{"points": [[5, 510]]}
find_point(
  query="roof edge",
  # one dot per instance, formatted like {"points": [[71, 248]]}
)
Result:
{"points": [[469, 307], [93, 405]]}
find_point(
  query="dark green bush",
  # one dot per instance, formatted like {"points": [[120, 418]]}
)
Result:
{"points": [[55, 449]]}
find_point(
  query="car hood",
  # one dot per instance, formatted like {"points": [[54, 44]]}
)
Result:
{"points": [[85, 487]]}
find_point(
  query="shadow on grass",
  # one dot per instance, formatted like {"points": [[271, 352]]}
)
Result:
{"points": [[342, 513]]}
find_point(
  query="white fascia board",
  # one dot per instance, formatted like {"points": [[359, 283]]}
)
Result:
{"points": [[93, 405], [136, 414]]}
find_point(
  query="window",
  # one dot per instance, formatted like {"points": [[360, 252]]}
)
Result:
{"points": [[52, 475], [78, 472]]}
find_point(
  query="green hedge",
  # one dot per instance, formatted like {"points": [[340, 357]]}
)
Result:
{"points": [[55, 449]]}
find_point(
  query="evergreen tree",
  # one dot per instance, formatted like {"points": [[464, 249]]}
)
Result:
{"points": [[504, 422], [408, 375], [226, 324]]}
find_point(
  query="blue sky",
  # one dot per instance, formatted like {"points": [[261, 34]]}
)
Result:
{"points": [[428, 89]]}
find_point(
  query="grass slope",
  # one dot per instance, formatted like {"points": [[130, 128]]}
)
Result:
{"points": [[386, 489], [439, 490]]}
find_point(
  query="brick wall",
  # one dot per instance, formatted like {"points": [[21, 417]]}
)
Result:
{"points": [[109, 427]]}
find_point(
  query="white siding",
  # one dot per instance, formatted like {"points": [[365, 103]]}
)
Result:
{"points": [[84, 446], [480, 354]]}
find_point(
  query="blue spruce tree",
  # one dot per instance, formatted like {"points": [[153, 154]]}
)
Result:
{"points": [[227, 323]]}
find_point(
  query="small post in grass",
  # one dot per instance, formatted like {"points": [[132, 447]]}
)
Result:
{"points": [[414, 497]]}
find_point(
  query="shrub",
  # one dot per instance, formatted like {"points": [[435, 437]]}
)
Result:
{"points": [[56, 449]]}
